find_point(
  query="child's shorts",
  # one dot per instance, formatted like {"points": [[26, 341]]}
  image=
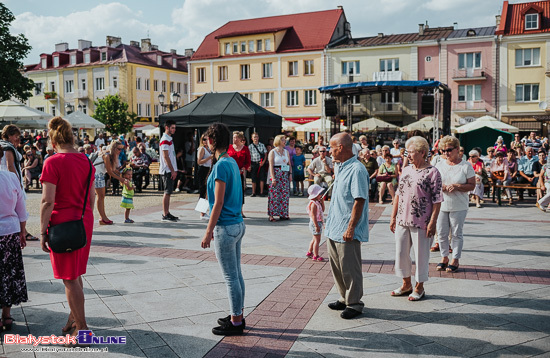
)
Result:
{"points": [[298, 177], [313, 229]]}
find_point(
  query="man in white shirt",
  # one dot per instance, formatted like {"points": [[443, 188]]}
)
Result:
{"points": [[395, 151], [380, 159], [321, 168], [99, 140], [168, 168]]}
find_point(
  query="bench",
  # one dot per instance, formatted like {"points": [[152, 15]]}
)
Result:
{"points": [[498, 189], [154, 168]]}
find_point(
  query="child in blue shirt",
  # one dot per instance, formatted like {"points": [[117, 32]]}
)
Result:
{"points": [[298, 161]]}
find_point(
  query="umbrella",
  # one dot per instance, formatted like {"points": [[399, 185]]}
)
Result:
{"points": [[425, 124], [79, 119], [487, 121], [316, 126], [145, 128], [152, 131], [373, 124], [289, 125], [13, 112]]}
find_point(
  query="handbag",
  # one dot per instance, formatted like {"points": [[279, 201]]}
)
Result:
{"points": [[386, 177], [71, 235]]}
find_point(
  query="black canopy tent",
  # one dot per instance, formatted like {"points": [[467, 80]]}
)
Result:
{"points": [[358, 88]]}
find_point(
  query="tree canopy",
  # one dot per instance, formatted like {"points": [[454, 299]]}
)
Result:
{"points": [[113, 112], [13, 49]]}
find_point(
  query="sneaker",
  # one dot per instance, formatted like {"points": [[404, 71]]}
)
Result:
{"points": [[228, 329], [205, 217], [168, 218], [337, 306], [172, 216], [300, 194], [185, 188], [128, 221], [177, 190], [222, 321], [540, 207], [253, 195]]}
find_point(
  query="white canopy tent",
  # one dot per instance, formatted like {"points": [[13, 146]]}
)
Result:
{"points": [[13, 112], [290, 126], [373, 124], [317, 126], [151, 131], [487, 121], [79, 119], [424, 124]]}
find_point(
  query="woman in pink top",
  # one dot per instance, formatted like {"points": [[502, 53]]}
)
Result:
{"points": [[414, 217], [500, 173]]}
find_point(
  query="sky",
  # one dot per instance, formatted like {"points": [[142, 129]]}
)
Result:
{"points": [[184, 24]]}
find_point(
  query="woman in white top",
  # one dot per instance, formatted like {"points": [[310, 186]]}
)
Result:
{"points": [[280, 172], [13, 219], [204, 160], [458, 179]]}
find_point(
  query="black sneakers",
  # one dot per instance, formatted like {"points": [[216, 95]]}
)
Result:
{"points": [[349, 313], [337, 306], [170, 217], [228, 329], [222, 321]]}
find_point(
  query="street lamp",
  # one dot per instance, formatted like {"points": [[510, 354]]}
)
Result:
{"points": [[174, 100], [69, 108]]}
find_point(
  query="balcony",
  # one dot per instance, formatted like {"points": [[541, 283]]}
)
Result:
{"points": [[470, 74], [50, 96], [340, 79], [81, 94], [387, 108], [469, 106], [387, 76]]}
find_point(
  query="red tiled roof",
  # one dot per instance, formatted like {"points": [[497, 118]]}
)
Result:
{"points": [[513, 18], [305, 32]]}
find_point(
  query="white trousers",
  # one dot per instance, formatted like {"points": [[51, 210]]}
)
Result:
{"points": [[453, 222], [405, 238], [545, 200]]}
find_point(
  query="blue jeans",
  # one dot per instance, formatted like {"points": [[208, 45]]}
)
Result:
{"points": [[227, 243]]}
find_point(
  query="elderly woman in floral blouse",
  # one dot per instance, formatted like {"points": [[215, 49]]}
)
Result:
{"points": [[414, 217]]}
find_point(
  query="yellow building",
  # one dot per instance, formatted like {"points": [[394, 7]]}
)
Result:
{"points": [[72, 79], [524, 40], [278, 62]]}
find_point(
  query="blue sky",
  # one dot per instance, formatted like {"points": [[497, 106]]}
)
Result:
{"points": [[183, 24]]}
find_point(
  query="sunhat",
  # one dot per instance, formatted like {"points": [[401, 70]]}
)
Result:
{"points": [[314, 191]]}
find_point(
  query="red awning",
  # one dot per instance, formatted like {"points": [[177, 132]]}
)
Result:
{"points": [[302, 120]]}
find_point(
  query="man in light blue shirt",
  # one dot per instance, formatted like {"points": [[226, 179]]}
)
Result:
{"points": [[525, 169], [347, 226]]}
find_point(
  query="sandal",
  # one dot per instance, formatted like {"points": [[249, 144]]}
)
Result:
{"points": [[452, 268], [435, 247], [7, 326], [102, 222], [416, 296], [309, 254], [441, 266], [70, 330], [29, 237], [400, 292], [318, 258], [272, 219]]}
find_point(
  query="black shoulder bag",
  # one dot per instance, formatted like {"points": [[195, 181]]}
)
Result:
{"points": [[71, 235]]}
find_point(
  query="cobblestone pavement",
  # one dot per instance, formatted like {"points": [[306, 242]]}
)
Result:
{"points": [[151, 282]]}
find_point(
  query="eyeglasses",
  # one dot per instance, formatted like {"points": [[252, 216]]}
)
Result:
{"points": [[118, 148], [448, 150], [322, 151], [473, 156]]}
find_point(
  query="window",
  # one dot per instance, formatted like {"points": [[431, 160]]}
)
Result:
{"points": [[235, 47], [201, 76], [83, 84], [251, 46], [115, 82], [243, 46], [469, 93], [56, 61], [227, 47], [389, 65], [156, 85], [147, 110], [159, 60], [73, 59], [139, 109], [179, 87], [157, 110], [100, 84], [293, 68], [104, 56], [86, 58], [267, 44], [266, 99], [308, 67], [174, 62], [138, 83], [469, 60], [388, 97], [247, 95], [185, 88], [171, 87], [267, 70], [53, 111], [84, 109], [245, 72], [41, 109], [531, 21], [44, 63], [69, 86], [259, 45], [528, 57], [350, 68], [222, 73], [38, 88], [292, 98], [310, 97], [52, 86], [147, 87], [428, 58], [164, 85], [527, 92]]}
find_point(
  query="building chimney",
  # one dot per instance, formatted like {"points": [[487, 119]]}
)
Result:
{"points": [[455, 25], [84, 44], [173, 51], [421, 29], [380, 34], [154, 47], [498, 20], [60, 47], [134, 43], [145, 45], [189, 52], [113, 41], [340, 7]]}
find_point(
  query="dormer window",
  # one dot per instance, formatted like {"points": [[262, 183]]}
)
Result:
{"points": [[104, 56], [73, 59], [56, 61], [174, 62], [227, 48], [159, 60], [44, 63], [532, 21], [86, 58], [471, 33]]}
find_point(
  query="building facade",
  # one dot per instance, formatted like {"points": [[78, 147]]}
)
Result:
{"points": [[72, 79]]}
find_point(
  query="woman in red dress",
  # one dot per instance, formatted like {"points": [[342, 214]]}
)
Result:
{"points": [[64, 179], [241, 154]]}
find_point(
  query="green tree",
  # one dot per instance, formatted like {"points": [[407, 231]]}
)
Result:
{"points": [[13, 49], [113, 112]]}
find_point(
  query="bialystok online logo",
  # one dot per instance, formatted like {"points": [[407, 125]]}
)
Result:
{"points": [[83, 337]]}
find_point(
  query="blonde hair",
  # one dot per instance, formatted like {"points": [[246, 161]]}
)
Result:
{"points": [[112, 152], [60, 131], [240, 135], [449, 140], [203, 137], [420, 144], [278, 139]]}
